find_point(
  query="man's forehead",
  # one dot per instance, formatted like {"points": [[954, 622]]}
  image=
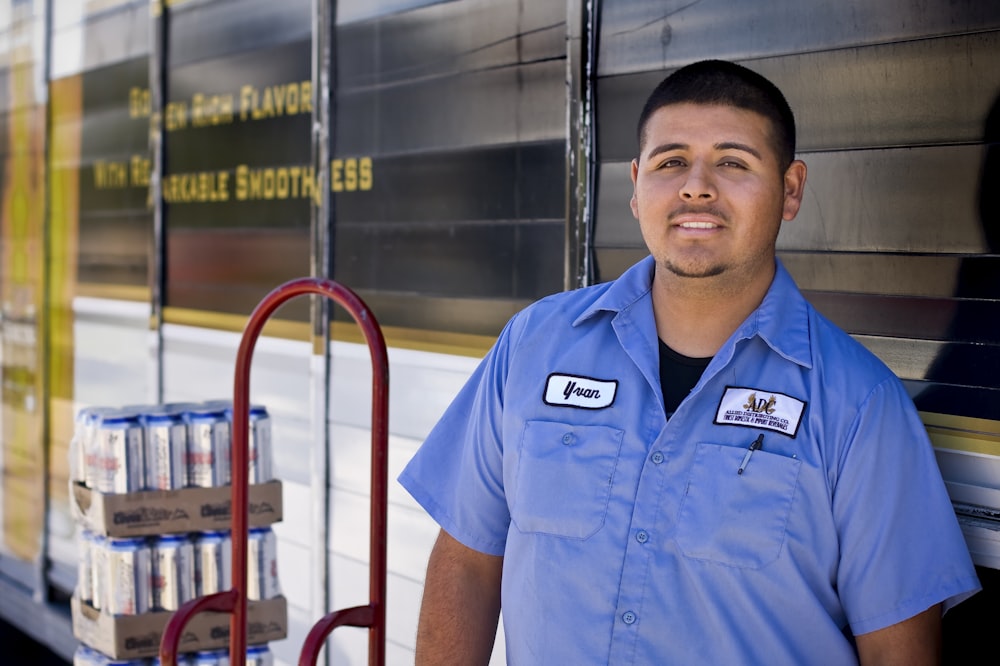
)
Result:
{"points": [[721, 126]]}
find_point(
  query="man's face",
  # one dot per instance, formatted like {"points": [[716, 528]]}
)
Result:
{"points": [[710, 194]]}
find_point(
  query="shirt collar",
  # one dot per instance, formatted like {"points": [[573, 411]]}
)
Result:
{"points": [[781, 320]]}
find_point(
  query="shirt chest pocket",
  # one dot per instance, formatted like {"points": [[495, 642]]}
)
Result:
{"points": [[736, 519], [562, 478]]}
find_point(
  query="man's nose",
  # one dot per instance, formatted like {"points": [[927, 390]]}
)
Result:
{"points": [[698, 185]]}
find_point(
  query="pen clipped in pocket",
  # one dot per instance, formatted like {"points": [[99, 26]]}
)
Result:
{"points": [[736, 519]]}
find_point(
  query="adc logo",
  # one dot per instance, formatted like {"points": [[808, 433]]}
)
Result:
{"points": [[760, 406]]}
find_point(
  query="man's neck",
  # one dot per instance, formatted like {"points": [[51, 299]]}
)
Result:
{"points": [[695, 316]]}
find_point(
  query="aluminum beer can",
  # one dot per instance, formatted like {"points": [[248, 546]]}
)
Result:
{"points": [[261, 452], [173, 572], [77, 453], [186, 659], [259, 655], [213, 568], [97, 658], [85, 570], [98, 570], [260, 457], [262, 564], [89, 447], [87, 656], [208, 448], [128, 581], [166, 449], [120, 439], [211, 658]]}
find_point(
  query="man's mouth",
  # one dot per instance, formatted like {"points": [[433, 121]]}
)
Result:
{"points": [[698, 225]]}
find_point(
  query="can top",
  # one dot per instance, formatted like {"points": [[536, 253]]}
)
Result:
{"points": [[172, 538], [202, 411], [91, 411], [124, 542], [121, 415], [179, 407], [255, 411], [260, 530], [161, 413]]}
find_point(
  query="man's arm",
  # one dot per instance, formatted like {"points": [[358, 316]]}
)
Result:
{"points": [[913, 642], [461, 604]]}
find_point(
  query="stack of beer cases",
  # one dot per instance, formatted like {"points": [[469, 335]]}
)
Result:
{"points": [[150, 492]]}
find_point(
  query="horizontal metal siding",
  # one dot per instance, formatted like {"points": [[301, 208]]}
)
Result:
{"points": [[645, 35], [897, 238], [461, 107]]}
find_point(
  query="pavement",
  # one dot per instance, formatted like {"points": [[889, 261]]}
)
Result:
{"points": [[19, 649]]}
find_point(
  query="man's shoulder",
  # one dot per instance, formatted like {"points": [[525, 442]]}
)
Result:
{"points": [[567, 306]]}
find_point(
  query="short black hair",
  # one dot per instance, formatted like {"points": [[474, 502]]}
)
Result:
{"points": [[726, 84]]}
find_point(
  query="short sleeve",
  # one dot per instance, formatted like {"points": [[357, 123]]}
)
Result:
{"points": [[902, 550], [457, 473]]}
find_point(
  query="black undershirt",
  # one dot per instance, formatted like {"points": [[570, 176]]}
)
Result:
{"points": [[678, 375]]}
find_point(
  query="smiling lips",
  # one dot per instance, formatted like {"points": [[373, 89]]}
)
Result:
{"points": [[698, 221]]}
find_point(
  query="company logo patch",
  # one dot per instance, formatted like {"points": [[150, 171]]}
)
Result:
{"points": [[582, 392], [756, 408]]}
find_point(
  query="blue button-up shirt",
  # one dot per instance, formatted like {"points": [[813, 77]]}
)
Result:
{"points": [[630, 539]]}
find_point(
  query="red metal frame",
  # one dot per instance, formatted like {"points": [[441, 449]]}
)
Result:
{"points": [[234, 601]]}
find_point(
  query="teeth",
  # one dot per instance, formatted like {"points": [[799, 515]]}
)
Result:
{"points": [[698, 225]]}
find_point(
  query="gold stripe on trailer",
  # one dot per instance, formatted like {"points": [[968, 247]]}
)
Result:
{"points": [[963, 433], [441, 342]]}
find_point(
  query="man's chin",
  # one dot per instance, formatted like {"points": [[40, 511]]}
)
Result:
{"points": [[694, 270]]}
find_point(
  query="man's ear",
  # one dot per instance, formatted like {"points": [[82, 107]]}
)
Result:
{"points": [[795, 186], [633, 204]]}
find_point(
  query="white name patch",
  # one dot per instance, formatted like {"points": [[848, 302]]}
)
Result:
{"points": [[581, 392], [757, 408]]}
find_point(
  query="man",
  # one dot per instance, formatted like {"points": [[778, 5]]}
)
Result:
{"points": [[689, 465]]}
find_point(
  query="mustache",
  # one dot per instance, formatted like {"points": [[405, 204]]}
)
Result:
{"points": [[697, 210]]}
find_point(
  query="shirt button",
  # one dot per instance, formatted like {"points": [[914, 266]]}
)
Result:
{"points": [[569, 438], [657, 458], [642, 536], [628, 617]]}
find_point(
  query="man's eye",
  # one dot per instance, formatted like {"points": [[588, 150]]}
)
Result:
{"points": [[671, 164], [732, 163]]}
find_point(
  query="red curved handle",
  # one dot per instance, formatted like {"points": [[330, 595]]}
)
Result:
{"points": [[222, 602], [235, 600], [359, 616]]}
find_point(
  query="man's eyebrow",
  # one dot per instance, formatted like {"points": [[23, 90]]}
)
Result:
{"points": [[725, 145], [734, 145], [665, 148]]}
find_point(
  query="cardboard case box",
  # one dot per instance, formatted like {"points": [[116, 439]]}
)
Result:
{"points": [[137, 636], [154, 512]]}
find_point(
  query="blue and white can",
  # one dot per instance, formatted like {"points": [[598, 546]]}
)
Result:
{"points": [[85, 566], [261, 451], [259, 655], [213, 556], [86, 656], [211, 658], [262, 564], [98, 570], [166, 437], [77, 453], [260, 457], [208, 449], [185, 659], [128, 577], [122, 453], [173, 572]]}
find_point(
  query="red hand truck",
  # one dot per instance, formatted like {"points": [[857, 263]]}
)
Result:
{"points": [[234, 601]]}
